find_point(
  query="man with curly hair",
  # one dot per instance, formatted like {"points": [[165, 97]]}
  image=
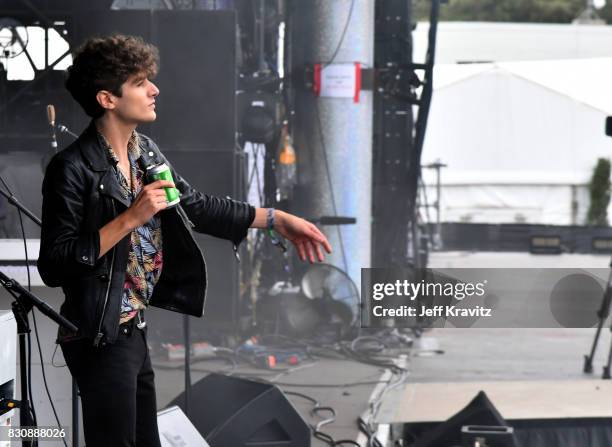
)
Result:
{"points": [[112, 243]]}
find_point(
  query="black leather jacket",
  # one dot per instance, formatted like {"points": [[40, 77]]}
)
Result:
{"points": [[80, 195]]}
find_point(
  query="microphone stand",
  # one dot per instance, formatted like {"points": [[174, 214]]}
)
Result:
{"points": [[13, 201], [75, 391], [21, 307], [51, 119], [64, 129]]}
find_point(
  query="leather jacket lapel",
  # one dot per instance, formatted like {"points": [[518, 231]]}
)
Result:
{"points": [[92, 150], [148, 157], [97, 160], [109, 186]]}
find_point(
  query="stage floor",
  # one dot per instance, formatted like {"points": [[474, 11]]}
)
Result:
{"points": [[545, 399], [527, 373], [466, 360], [344, 385]]}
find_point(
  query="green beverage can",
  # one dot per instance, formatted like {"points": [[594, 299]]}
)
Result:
{"points": [[162, 172]]}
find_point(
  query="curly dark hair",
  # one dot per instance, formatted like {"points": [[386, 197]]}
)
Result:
{"points": [[105, 63]]}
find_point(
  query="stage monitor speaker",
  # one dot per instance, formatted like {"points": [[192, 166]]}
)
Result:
{"points": [[234, 412], [486, 435], [480, 411], [197, 72], [175, 429]]}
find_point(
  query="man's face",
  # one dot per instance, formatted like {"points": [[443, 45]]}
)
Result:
{"points": [[137, 101]]}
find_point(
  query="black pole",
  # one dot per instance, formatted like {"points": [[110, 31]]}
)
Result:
{"points": [[13, 201], [75, 414], [261, 36], [24, 301], [25, 417], [187, 342], [421, 126]]}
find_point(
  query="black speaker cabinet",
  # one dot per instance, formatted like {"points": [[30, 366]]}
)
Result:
{"points": [[197, 72], [480, 411], [232, 412], [216, 173]]}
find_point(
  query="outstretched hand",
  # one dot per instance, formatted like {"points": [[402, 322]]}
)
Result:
{"points": [[305, 236]]}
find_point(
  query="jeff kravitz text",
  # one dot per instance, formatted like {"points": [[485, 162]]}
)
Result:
{"points": [[434, 311], [413, 292]]}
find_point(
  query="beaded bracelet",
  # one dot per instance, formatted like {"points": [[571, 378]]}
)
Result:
{"points": [[270, 219]]}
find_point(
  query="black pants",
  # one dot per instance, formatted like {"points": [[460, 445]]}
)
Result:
{"points": [[117, 390]]}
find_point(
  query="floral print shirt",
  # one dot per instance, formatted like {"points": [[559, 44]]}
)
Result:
{"points": [[145, 257]]}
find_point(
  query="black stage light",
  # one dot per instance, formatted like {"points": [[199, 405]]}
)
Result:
{"points": [[601, 244], [545, 244]]}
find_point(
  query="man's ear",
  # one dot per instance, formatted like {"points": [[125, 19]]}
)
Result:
{"points": [[106, 99]]}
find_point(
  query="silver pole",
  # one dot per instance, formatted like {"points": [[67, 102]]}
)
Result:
{"points": [[333, 136], [438, 238]]}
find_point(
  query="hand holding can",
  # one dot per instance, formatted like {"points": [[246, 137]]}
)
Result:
{"points": [[162, 172], [151, 200]]}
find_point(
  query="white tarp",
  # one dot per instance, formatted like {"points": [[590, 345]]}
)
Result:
{"points": [[494, 203], [520, 139], [496, 42]]}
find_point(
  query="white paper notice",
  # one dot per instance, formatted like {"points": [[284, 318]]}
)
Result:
{"points": [[339, 80]]}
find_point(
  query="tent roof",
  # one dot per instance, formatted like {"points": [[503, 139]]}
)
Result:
{"points": [[588, 81], [497, 42]]}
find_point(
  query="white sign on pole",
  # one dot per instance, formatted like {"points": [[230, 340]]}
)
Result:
{"points": [[339, 80]]}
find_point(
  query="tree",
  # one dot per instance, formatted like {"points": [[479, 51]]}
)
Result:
{"points": [[538, 11], [599, 190]]}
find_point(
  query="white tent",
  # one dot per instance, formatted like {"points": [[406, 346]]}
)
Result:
{"points": [[498, 42], [520, 139]]}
